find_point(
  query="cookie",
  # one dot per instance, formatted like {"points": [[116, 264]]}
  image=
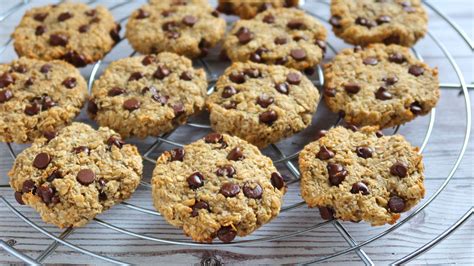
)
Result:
{"points": [[73, 32], [188, 30], [38, 97], [361, 175], [72, 176], [247, 9], [262, 104], [282, 36], [362, 22], [169, 3], [380, 85], [147, 95], [219, 186]]}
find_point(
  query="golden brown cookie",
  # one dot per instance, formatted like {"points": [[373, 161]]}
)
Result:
{"points": [[219, 186], [247, 9]]}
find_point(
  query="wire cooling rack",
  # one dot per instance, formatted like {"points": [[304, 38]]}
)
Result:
{"points": [[278, 156]]}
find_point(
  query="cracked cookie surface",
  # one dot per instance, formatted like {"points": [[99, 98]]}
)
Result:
{"points": [[190, 29], [380, 85], [361, 175], [247, 9], [363, 22], [72, 176], [73, 32], [219, 186], [281, 36], [38, 97], [147, 95], [262, 104]]}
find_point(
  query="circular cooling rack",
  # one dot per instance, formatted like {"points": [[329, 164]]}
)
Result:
{"points": [[284, 155]]}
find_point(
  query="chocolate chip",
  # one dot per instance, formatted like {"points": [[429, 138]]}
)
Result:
{"points": [[330, 92], [392, 39], [244, 35], [75, 58], [54, 175], [170, 26], [19, 198], [321, 44], [115, 33], [177, 155], [326, 213], [173, 35], [135, 76], [282, 87], [40, 30], [379, 134], [269, 19], [321, 133], [277, 180], [293, 78], [364, 152], [416, 108], [226, 234], [298, 54], [390, 80], [148, 60], [80, 149], [32, 109], [281, 61], [396, 58], [42, 160], [396, 204], [161, 73], [299, 38], [264, 6], [142, 14], [178, 109], [383, 19], [92, 107], [159, 98], [254, 57], [90, 12], [112, 140], [352, 88], [40, 17], [84, 28], [204, 47], [213, 138], [383, 94], [186, 75], [131, 104], [324, 153], [265, 100], [351, 127], [228, 91], [28, 186], [360, 187], [237, 77], [20, 69], [115, 91], [296, 24], [45, 193], [5, 95], [365, 22], [371, 60], [94, 20], [215, 13], [64, 16], [166, 13], [229, 190], [47, 103], [6, 80], [416, 70], [399, 169], [29, 82], [199, 205], [195, 180], [230, 105], [335, 21], [337, 173], [235, 154], [58, 40], [85, 177], [252, 192], [70, 83], [226, 170], [268, 117], [190, 20], [252, 72]]}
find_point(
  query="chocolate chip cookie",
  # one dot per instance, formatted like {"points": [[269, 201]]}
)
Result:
{"points": [[147, 95], [169, 3], [282, 36], [73, 175], [260, 103], [73, 32], [363, 22], [38, 97], [247, 9], [188, 30], [219, 186], [380, 85], [361, 175]]}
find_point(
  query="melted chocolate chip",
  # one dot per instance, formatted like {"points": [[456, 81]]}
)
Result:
{"points": [[364, 152], [293, 78], [396, 58], [252, 72], [40, 30], [142, 14], [6, 80], [416, 108], [54, 175], [115, 33], [371, 60], [226, 234], [45, 193], [19, 198], [244, 35], [235, 154], [80, 149], [161, 73], [228, 92], [329, 92], [360, 187], [135, 76], [195, 180], [64, 16], [335, 21], [178, 109], [296, 25], [321, 44], [213, 138], [112, 140], [186, 75], [199, 205], [254, 192], [282, 87], [42, 160], [226, 170], [28, 186], [149, 59], [396, 204], [325, 153], [265, 100], [229, 190], [383, 94], [58, 40], [390, 80], [177, 155], [5, 95], [298, 54], [365, 22], [85, 177], [399, 169], [115, 91], [40, 17], [321, 133], [70, 83], [237, 77], [383, 19], [352, 88], [189, 20], [277, 180], [92, 107], [32, 109], [326, 213], [337, 173], [269, 19], [268, 117], [75, 59], [416, 70], [131, 104]]}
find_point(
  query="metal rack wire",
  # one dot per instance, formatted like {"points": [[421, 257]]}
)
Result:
{"points": [[282, 158]]}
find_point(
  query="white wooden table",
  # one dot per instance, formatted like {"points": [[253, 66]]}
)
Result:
{"points": [[440, 154]]}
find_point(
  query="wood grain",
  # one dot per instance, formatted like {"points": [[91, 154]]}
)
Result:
{"points": [[439, 156]]}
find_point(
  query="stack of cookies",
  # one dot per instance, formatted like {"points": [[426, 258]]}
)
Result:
{"points": [[220, 186]]}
